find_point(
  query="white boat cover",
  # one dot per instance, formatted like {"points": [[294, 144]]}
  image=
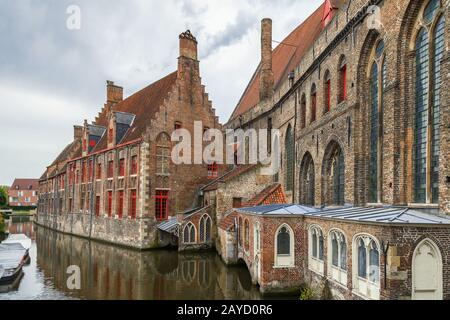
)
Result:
{"points": [[18, 238]]}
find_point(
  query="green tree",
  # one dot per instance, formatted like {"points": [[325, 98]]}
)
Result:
{"points": [[3, 197]]}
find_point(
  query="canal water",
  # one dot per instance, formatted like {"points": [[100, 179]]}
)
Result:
{"points": [[111, 272]]}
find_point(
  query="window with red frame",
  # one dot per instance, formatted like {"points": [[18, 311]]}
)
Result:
{"points": [[161, 199], [109, 204], [99, 171], [343, 81], [120, 204], [313, 103], [212, 170], [97, 206], [134, 165], [133, 204], [110, 169], [121, 167]]}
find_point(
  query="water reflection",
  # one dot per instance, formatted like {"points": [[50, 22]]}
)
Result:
{"points": [[111, 272]]}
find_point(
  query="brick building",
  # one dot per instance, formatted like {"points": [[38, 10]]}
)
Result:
{"points": [[116, 180], [24, 193], [359, 94]]}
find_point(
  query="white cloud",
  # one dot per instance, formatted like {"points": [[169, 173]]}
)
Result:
{"points": [[52, 78]]}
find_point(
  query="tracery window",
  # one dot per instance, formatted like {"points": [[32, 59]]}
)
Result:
{"points": [[205, 228], [366, 266], [429, 52], [189, 233], [316, 249], [284, 251], [338, 252]]}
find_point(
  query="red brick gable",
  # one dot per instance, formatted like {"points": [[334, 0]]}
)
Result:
{"points": [[25, 184]]}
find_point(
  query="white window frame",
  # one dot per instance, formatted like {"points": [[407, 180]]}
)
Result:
{"points": [[188, 226], [337, 274], [315, 264], [363, 287], [284, 260]]}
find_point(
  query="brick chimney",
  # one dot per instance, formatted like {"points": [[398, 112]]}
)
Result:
{"points": [[114, 94], [77, 132], [266, 74], [188, 67]]}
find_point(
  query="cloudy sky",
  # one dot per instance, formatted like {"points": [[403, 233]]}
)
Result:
{"points": [[52, 78]]}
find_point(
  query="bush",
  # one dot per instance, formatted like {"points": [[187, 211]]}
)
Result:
{"points": [[306, 293]]}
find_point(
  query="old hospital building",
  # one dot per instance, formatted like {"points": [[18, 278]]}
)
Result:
{"points": [[360, 94]]}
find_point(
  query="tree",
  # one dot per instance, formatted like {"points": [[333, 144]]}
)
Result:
{"points": [[3, 197]]}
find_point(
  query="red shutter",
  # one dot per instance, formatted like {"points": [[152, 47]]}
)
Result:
{"points": [[97, 206], [134, 165], [121, 167], [109, 204], [120, 204], [133, 204], [161, 198]]}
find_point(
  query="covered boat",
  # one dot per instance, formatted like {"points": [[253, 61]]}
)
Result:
{"points": [[22, 240], [12, 259]]}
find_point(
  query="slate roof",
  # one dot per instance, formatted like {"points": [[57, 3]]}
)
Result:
{"points": [[143, 104], [379, 215], [25, 184]]}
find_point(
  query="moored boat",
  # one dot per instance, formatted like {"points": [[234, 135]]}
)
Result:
{"points": [[20, 239], [12, 259]]}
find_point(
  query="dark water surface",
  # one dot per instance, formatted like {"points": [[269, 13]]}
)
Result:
{"points": [[111, 272]]}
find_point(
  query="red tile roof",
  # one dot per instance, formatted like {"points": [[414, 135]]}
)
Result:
{"points": [[273, 194], [285, 57], [143, 104], [25, 184]]}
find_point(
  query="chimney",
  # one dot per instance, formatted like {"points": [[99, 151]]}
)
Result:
{"points": [[114, 94], [188, 45], [266, 75], [77, 132]]}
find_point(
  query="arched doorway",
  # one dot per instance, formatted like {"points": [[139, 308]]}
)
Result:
{"points": [[427, 272], [333, 175], [307, 181]]}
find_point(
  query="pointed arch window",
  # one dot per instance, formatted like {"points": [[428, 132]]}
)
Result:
{"points": [[338, 251], [189, 233], [377, 87], [284, 250], [205, 229], [303, 111], [429, 48], [313, 103], [327, 92], [342, 80], [289, 151], [316, 250], [366, 266], [307, 181]]}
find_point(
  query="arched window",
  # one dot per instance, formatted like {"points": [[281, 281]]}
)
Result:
{"points": [[240, 230], [162, 154], [366, 266], [257, 236], [342, 79], [377, 86], [246, 234], [307, 181], [289, 151], [337, 266], [189, 233], [313, 103], [429, 52], [327, 92], [205, 228], [284, 251], [316, 249], [303, 111], [333, 173]]}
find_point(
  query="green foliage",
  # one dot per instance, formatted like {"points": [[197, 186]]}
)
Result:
{"points": [[3, 197], [306, 293]]}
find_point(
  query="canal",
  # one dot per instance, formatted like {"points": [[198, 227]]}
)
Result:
{"points": [[111, 272]]}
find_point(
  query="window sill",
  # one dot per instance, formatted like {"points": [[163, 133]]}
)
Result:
{"points": [[423, 205], [284, 267]]}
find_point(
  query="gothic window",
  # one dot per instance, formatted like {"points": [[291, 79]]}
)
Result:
{"points": [[313, 103], [205, 228], [377, 86], [338, 264], [307, 181], [342, 80], [284, 252], [246, 234], [333, 171], [189, 233], [366, 266], [429, 52], [303, 112], [327, 92], [289, 151], [316, 249], [162, 154]]}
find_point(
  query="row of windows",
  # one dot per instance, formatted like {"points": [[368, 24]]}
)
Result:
{"points": [[190, 232]]}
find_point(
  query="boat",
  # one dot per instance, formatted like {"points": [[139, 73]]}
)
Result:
{"points": [[12, 259], [21, 239]]}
